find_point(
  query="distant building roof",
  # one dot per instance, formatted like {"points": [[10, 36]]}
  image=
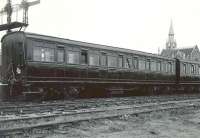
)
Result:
{"points": [[187, 51], [168, 52]]}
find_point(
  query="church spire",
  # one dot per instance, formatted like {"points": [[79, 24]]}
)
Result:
{"points": [[171, 29], [171, 42]]}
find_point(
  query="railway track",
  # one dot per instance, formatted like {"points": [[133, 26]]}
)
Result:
{"points": [[10, 110], [29, 125]]}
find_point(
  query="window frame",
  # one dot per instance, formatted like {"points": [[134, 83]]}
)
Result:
{"points": [[199, 69], [192, 69], [142, 64], [93, 54], [122, 61], [158, 66], [112, 56], [148, 62], [128, 62], [64, 54], [106, 59], [67, 55], [86, 58], [184, 68], [169, 67], [43, 52], [137, 62]]}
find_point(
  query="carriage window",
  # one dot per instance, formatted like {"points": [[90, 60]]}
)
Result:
{"points": [[199, 69], [135, 62], [158, 66], [169, 67], [112, 61], [164, 66], [148, 64], [142, 64], [128, 63], [94, 60], [192, 69], [103, 59], [184, 68], [84, 57], [43, 54], [37, 54], [120, 61], [73, 57], [153, 66], [61, 55], [48, 54]]}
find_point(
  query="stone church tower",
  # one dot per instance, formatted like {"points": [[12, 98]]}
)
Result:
{"points": [[171, 42]]}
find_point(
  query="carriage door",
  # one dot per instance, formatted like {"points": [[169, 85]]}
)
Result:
{"points": [[17, 56]]}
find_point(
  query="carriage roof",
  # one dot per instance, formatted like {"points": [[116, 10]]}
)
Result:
{"points": [[89, 45]]}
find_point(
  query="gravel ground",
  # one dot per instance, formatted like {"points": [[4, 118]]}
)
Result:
{"points": [[173, 124], [182, 123]]}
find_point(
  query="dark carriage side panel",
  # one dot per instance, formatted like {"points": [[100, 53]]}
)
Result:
{"points": [[93, 72], [87, 67], [59, 71], [37, 65], [69, 69]]}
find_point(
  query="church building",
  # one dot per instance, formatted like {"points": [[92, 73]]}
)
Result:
{"points": [[191, 53]]}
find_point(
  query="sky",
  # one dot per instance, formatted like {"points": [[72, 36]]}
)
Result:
{"points": [[134, 24]]}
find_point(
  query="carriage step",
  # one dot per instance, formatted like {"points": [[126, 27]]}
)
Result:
{"points": [[32, 92], [116, 91], [27, 85], [31, 95]]}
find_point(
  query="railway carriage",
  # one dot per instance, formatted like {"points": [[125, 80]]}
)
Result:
{"points": [[190, 70], [52, 67]]}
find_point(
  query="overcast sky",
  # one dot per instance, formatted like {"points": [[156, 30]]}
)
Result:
{"points": [[135, 24]]}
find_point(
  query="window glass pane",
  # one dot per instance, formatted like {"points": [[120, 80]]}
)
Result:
{"points": [[37, 54], [158, 66], [199, 69], [72, 57], [48, 54], [169, 67], [94, 60], [84, 57], [148, 64], [103, 59], [142, 64], [192, 69], [164, 67], [112, 61], [153, 66], [120, 64], [43, 54], [128, 63], [61, 55], [135, 62], [184, 68]]}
